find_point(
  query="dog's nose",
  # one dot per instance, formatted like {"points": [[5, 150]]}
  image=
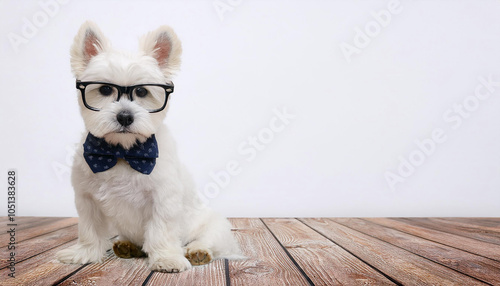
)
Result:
{"points": [[125, 118]]}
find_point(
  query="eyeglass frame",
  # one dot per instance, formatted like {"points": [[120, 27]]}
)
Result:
{"points": [[82, 85]]}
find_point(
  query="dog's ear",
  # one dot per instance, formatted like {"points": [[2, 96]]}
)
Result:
{"points": [[163, 45], [88, 43]]}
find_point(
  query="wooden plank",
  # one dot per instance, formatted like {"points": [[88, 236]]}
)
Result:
{"points": [[42, 269], [38, 230], [489, 223], [323, 261], [485, 249], [210, 274], [25, 223], [111, 272], [476, 266], [116, 271], [5, 219], [28, 248], [401, 265], [267, 262], [454, 227]]}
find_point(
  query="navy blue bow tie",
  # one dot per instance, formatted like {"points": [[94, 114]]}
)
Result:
{"points": [[102, 156]]}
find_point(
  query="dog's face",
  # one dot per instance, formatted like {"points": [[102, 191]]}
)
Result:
{"points": [[124, 115]]}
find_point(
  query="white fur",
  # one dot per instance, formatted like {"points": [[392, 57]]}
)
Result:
{"points": [[160, 212]]}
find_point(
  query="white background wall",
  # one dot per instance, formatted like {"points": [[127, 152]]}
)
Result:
{"points": [[356, 117]]}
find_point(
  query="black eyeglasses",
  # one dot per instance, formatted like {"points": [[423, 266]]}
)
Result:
{"points": [[152, 97]]}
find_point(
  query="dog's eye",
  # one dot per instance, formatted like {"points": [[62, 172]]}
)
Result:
{"points": [[141, 92], [106, 90]]}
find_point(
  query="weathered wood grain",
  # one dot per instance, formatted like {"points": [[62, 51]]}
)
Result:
{"points": [[4, 219], [485, 249], [490, 223], [325, 251], [37, 230], [323, 261], [25, 223], [267, 262], [455, 227], [42, 269], [210, 274], [28, 248], [112, 271], [482, 268], [401, 265]]}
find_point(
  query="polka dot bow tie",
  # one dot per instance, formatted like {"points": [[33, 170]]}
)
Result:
{"points": [[102, 156]]}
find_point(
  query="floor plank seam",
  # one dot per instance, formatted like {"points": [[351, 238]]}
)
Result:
{"points": [[289, 255], [439, 242], [69, 275], [420, 224], [226, 272], [426, 258], [393, 280], [404, 220], [147, 279]]}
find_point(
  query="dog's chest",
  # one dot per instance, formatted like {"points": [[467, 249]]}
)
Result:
{"points": [[123, 190]]}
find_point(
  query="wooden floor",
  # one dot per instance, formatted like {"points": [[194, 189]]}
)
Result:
{"points": [[285, 251]]}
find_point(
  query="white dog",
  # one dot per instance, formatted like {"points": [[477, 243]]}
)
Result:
{"points": [[127, 178]]}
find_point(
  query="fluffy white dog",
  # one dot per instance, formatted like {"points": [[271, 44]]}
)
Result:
{"points": [[127, 178]]}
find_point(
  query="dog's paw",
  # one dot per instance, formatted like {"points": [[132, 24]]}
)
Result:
{"points": [[126, 249], [172, 264], [78, 254], [199, 256]]}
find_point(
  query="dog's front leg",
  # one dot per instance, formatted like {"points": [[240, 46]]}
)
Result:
{"points": [[164, 247], [92, 234]]}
